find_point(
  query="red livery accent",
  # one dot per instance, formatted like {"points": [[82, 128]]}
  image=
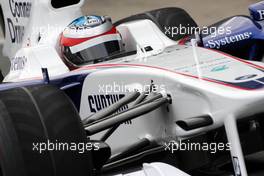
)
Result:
{"points": [[75, 41], [183, 74]]}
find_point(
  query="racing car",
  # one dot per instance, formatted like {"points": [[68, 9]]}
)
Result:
{"points": [[127, 90]]}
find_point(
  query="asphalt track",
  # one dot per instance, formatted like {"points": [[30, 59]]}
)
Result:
{"points": [[203, 11]]}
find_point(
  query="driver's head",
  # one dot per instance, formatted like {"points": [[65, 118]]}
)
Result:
{"points": [[89, 39]]}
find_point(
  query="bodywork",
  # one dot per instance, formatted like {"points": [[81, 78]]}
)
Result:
{"points": [[200, 82]]}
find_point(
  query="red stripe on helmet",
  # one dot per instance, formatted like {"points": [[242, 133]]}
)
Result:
{"points": [[75, 41]]}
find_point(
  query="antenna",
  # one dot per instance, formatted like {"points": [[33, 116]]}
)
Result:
{"points": [[195, 55]]}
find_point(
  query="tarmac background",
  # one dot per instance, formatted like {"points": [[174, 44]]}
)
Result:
{"points": [[204, 12]]}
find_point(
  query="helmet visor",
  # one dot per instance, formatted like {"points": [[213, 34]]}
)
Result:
{"points": [[94, 54]]}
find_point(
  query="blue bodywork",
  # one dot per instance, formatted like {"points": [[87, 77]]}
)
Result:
{"points": [[243, 36], [70, 84]]}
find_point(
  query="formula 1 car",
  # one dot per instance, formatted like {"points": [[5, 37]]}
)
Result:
{"points": [[186, 107]]}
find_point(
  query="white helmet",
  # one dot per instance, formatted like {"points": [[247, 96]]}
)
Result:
{"points": [[90, 39]]}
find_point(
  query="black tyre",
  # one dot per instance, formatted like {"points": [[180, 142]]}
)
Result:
{"points": [[165, 18], [1, 76], [32, 115]]}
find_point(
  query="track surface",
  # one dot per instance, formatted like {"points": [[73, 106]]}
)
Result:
{"points": [[203, 11]]}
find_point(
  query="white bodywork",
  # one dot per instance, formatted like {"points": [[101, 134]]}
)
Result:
{"points": [[35, 24], [212, 84], [156, 169]]}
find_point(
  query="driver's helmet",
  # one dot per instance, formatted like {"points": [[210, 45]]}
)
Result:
{"points": [[89, 39]]}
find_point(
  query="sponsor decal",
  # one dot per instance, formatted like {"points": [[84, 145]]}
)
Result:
{"points": [[86, 22], [261, 14], [205, 65], [99, 102], [246, 77], [219, 68], [19, 9], [93, 20], [228, 40], [236, 166], [18, 63]]}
